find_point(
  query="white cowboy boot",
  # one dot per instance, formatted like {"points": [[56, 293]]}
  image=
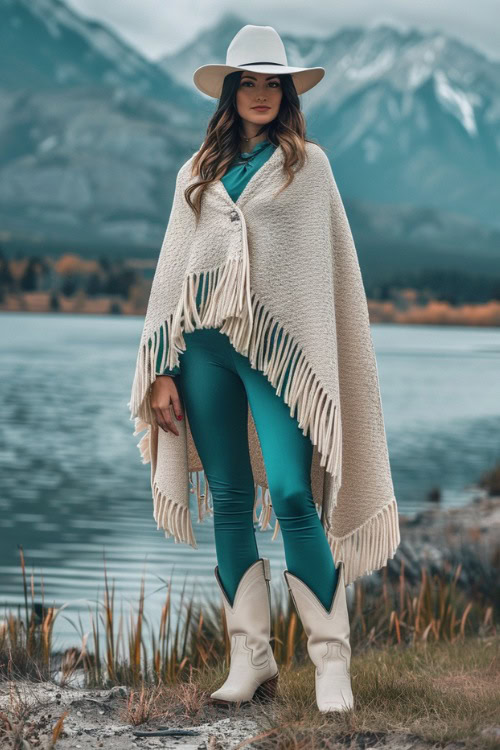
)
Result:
{"points": [[327, 641], [253, 671]]}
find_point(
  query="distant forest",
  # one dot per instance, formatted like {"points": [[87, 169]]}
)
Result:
{"points": [[69, 274], [66, 275], [454, 287], [73, 284]]}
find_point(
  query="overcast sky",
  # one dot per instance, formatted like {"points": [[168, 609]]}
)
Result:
{"points": [[158, 27]]}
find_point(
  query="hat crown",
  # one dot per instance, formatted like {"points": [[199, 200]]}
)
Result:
{"points": [[259, 49], [255, 44]]}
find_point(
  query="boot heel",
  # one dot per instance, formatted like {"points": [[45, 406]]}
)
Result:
{"points": [[266, 691]]}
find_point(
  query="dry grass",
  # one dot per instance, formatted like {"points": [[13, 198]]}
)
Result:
{"points": [[136, 653], [143, 705], [415, 689], [425, 662], [23, 726], [435, 691]]}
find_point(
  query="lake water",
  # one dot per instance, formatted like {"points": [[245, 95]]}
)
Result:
{"points": [[73, 487]]}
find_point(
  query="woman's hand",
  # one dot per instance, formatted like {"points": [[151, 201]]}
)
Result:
{"points": [[164, 394]]}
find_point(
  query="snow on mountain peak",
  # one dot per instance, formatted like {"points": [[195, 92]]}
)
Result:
{"points": [[372, 69], [457, 102]]}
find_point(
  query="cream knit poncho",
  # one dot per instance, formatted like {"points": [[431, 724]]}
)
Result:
{"points": [[287, 262]]}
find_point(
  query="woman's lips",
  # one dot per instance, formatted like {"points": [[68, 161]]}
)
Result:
{"points": [[261, 108]]}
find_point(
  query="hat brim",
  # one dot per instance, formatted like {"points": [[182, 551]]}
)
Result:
{"points": [[210, 78]]}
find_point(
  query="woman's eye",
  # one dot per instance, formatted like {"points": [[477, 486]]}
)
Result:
{"points": [[250, 83]]}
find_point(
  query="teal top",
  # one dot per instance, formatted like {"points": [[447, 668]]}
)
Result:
{"points": [[234, 180]]}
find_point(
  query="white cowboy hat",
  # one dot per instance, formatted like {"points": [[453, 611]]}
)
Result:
{"points": [[256, 48]]}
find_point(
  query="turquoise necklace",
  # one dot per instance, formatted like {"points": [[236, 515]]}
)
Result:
{"points": [[247, 157]]}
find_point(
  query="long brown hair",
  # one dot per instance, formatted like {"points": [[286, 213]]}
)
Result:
{"points": [[222, 140]]}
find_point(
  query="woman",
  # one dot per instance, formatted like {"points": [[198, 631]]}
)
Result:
{"points": [[278, 275]]}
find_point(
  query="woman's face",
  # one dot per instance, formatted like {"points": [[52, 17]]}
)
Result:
{"points": [[258, 89]]}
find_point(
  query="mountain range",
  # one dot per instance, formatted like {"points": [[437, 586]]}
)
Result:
{"points": [[92, 135]]}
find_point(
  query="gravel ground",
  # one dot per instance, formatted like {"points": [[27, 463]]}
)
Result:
{"points": [[95, 720]]}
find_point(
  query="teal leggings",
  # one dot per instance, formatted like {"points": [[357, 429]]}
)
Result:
{"points": [[216, 383]]}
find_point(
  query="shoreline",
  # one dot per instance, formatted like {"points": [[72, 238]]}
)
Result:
{"points": [[444, 538], [486, 315]]}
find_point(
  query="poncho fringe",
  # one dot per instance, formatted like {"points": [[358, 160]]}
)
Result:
{"points": [[228, 303], [365, 549]]}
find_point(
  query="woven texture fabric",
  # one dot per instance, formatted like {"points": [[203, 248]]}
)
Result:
{"points": [[234, 180], [275, 262]]}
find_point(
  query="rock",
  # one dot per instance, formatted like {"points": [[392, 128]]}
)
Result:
{"points": [[491, 732], [119, 691]]}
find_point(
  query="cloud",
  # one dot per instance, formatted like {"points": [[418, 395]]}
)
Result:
{"points": [[159, 27]]}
